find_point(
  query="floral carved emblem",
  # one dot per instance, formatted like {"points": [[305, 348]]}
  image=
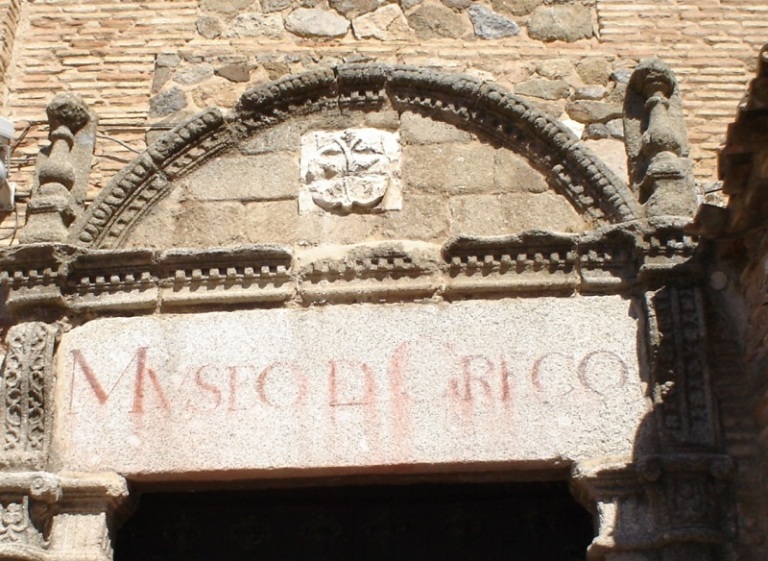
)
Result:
{"points": [[354, 170]]}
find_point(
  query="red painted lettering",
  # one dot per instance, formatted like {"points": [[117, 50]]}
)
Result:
{"points": [[347, 387]]}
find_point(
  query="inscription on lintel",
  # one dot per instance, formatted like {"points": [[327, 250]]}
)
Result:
{"points": [[343, 386]]}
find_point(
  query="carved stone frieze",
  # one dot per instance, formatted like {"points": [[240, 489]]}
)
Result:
{"points": [[683, 404], [26, 375], [609, 260]]}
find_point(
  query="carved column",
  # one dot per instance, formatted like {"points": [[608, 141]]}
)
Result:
{"points": [[46, 516], [657, 142], [62, 171]]}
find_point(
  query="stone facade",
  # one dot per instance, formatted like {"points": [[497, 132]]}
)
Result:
{"points": [[383, 254]]}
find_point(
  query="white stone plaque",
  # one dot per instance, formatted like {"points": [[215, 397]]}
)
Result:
{"points": [[351, 388], [354, 170]]}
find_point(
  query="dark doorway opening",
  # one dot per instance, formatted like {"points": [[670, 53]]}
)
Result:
{"points": [[445, 522]]}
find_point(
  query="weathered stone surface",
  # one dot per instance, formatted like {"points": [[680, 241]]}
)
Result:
{"points": [[170, 60], [515, 7], [490, 25], [554, 69], [160, 78], [591, 93], [209, 27], [544, 89], [594, 70], [364, 386], [234, 72], [256, 25], [269, 6], [612, 153], [615, 128], [416, 129], [593, 111], [433, 22], [457, 4], [218, 92], [193, 74], [353, 8], [493, 215], [312, 22], [423, 217], [226, 6], [408, 4], [513, 173], [388, 23], [621, 76], [596, 131], [448, 168], [167, 102], [247, 178], [561, 22]]}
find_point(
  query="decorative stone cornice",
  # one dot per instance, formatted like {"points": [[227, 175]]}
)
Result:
{"points": [[616, 259], [475, 105]]}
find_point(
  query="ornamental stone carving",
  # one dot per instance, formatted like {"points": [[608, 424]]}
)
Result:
{"points": [[25, 385], [657, 142], [354, 170], [62, 171]]}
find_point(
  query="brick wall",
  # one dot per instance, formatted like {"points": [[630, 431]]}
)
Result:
{"points": [[149, 64]]}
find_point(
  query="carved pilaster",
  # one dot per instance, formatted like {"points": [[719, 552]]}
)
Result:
{"points": [[26, 378], [663, 508], [46, 517], [683, 404], [62, 171], [657, 142]]}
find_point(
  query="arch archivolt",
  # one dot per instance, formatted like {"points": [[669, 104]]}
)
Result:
{"points": [[480, 107]]}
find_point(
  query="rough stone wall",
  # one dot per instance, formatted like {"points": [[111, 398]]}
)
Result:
{"points": [[144, 66]]}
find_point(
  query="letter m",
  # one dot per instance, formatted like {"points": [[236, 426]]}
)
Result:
{"points": [[142, 372]]}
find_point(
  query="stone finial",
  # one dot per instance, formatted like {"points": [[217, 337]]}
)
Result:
{"points": [[62, 170], [657, 142]]}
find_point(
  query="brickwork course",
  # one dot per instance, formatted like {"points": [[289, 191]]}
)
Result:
{"points": [[144, 66]]}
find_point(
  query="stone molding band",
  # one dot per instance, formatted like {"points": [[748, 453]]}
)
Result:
{"points": [[614, 260], [483, 107]]}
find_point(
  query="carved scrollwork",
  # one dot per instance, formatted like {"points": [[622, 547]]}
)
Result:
{"points": [[26, 373]]}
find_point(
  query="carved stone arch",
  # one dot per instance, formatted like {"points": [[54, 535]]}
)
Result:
{"points": [[482, 107]]}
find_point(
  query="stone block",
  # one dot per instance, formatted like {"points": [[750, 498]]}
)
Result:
{"points": [[228, 7], [431, 21], [594, 70], [422, 217], [192, 75], [561, 22], [313, 22], [514, 174], [612, 153], [448, 168], [272, 392], [256, 25], [490, 25], [234, 72], [261, 177], [208, 224], [544, 89], [495, 215], [554, 69], [591, 93], [416, 129], [353, 8], [167, 102], [515, 7], [388, 23], [586, 111], [269, 6]]}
